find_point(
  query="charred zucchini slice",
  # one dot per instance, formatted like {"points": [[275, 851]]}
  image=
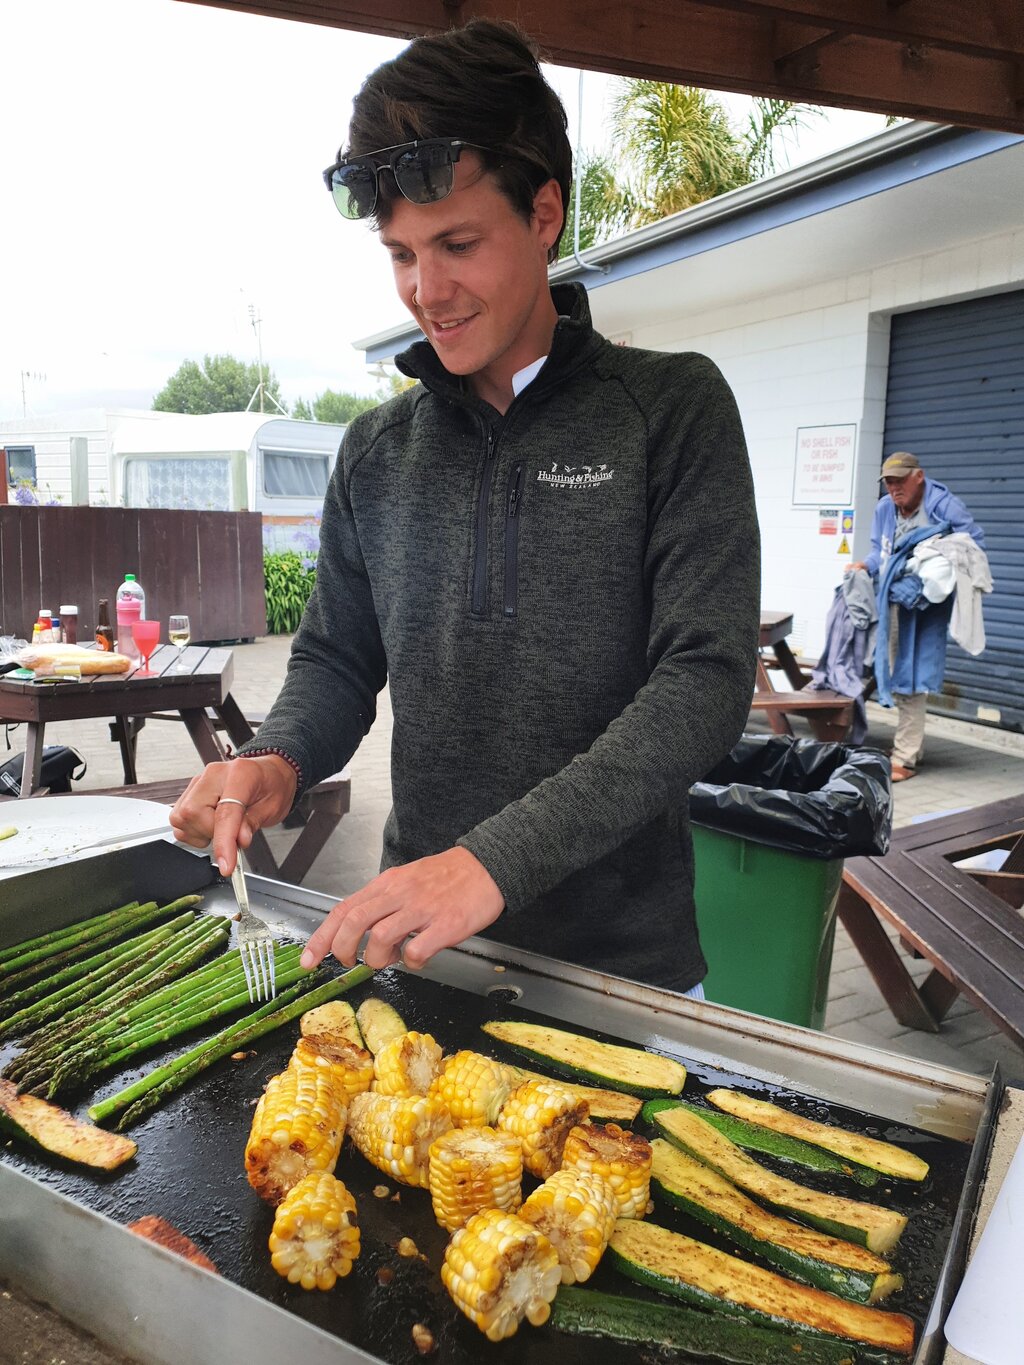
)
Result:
{"points": [[872, 1226], [865, 1151], [843, 1268], [675, 1327], [379, 1022], [754, 1138], [336, 1020], [589, 1062], [53, 1129], [605, 1105], [701, 1275]]}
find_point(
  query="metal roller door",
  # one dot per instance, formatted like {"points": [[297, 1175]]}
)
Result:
{"points": [[956, 399]]}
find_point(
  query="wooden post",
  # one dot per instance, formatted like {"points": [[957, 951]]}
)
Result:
{"points": [[3, 477]]}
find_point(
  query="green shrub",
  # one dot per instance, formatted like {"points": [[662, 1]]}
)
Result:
{"points": [[288, 579]]}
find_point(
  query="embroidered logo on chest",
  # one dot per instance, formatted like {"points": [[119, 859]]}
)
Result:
{"points": [[576, 475]]}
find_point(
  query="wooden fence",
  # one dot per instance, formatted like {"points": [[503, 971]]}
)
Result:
{"points": [[207, 564]]}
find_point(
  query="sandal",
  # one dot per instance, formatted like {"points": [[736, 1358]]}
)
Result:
{"points": [[901, 774]]}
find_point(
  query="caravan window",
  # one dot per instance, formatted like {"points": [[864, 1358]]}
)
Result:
{"points": [[195, 485], [295, 474]]}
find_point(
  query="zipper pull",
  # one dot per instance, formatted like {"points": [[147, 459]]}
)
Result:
{"points": [[513, 493]]}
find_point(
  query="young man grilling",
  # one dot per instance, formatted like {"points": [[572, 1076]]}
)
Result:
{"points": [[548, 548]]}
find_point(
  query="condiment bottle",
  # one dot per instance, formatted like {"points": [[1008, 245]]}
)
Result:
{"points": [[69, 625], [104, 634], [42, 631]]}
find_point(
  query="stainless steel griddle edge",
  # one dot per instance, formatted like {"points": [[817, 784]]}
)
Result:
{"points": [[149, 1303]]}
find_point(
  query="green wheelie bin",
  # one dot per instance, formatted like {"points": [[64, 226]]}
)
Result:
{"points": [[772, 824]]}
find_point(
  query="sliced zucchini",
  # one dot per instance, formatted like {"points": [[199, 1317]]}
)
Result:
{"points": [[843, 1268], [866, 1151], [872, 1226], [379, 1022], [701, 1275], [586, 1060], [754, 1138], [709, 1336], [605, 1105], [54, 1130], [335, 1020]]}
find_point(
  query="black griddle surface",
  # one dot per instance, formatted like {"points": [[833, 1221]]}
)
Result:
{"points": [[190, 1171]]}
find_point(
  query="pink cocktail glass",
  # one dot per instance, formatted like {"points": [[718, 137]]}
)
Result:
{"points": [[147, 636]]}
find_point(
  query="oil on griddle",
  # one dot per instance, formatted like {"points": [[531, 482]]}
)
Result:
{"points": [[190, 1171]]}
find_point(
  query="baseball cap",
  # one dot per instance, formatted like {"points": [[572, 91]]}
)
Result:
{"points": [[899, 465]]}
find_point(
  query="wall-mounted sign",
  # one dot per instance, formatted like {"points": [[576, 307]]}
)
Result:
{"points": [[828, 521], [823, 473]]}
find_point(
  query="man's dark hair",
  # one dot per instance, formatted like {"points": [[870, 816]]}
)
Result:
{"points": [[481, 83]]}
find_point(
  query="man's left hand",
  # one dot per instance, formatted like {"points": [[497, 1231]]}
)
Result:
{"points": [[434, 902]]}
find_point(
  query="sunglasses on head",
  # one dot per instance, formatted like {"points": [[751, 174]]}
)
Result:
{"points": [[424, 172]]}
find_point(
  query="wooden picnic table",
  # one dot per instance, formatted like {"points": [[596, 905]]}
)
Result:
{"points": [[195, 689], [200, 680], [966, 923], [829, 714]]}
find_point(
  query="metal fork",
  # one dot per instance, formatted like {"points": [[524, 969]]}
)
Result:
{"points": [[255, 942]]}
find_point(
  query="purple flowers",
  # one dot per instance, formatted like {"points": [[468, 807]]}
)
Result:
{"points": [[27, 495]]}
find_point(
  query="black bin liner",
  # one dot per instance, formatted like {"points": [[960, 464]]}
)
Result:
{"points": [[823, 800]]}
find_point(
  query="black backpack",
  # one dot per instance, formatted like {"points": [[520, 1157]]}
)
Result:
{"points": [[58, 770]]}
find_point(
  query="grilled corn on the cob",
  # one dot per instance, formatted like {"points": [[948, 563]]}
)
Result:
{"points": [[473, 1088], [540, 1114], [407, 1065], [395, 1133], [316, 1232], [622, 1157], [576, 1211], [499, 1270], [472, 1169], [297, 1128], [350, 1067]]}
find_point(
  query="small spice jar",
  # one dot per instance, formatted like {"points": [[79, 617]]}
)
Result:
{"points": [[69, 625]]}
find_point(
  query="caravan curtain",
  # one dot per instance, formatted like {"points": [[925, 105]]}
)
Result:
{"points": [[193, 485]]}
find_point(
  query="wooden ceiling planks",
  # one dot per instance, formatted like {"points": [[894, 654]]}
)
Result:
{"points": [[939, 60]]}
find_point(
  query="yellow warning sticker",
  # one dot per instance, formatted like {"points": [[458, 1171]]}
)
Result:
{"points": [[844, 547]]}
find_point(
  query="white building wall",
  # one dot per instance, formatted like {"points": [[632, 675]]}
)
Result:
{"points": [[817, 357], [52, 438]]}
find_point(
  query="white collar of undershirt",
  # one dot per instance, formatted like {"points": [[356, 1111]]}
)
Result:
{"points": [[526, 376]]}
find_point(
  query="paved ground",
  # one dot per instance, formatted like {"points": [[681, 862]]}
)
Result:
{"points": [[966, 765]]}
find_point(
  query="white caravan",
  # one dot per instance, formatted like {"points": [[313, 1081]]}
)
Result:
{"points": [[227, 461]]}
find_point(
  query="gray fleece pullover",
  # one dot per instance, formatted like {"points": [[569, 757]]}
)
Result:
{"points": [[565, 602]]}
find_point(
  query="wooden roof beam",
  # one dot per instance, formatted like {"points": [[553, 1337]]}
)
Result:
{"points": [[992, 29], [818, 51]]}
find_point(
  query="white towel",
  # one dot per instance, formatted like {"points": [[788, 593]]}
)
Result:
{"points": [[973, 579]]}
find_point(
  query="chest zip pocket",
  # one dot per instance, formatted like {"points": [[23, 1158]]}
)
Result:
{"points": [[512, 539]]}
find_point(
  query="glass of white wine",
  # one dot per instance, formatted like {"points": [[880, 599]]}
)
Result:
{"points": [[179, 633]]}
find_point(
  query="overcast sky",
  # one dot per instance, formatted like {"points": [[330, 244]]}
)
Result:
{"points": [[160, 174]]}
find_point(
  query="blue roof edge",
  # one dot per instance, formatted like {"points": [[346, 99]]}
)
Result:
{"points": [[896, 157]]}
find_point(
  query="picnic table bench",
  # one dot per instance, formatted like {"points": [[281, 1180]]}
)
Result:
{"points": [[965, 922], [828, 714]]}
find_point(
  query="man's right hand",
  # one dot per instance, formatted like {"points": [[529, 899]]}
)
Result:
{"points": [[228, 802], [858, 565]]}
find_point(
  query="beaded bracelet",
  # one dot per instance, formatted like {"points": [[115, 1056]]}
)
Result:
{"points": [[276, 753]]}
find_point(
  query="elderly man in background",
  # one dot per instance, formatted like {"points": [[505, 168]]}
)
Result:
{"points": [[928, 562]]}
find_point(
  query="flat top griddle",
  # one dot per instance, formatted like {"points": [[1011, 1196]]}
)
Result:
{"points": [[190, 1171]]}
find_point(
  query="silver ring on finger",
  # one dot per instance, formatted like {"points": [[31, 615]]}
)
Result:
{"points": [[232, 801]]}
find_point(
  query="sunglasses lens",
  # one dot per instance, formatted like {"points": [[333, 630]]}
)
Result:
{"points": [[355, 190], [425, 174]]}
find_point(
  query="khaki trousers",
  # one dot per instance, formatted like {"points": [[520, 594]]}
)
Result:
{"points": [[908, 745]]}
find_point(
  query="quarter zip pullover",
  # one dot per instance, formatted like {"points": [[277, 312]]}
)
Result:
{"points": [[565, 601]]}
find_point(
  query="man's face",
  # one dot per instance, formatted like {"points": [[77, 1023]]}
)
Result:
{"points": [[473, 273], [906, 492]]}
